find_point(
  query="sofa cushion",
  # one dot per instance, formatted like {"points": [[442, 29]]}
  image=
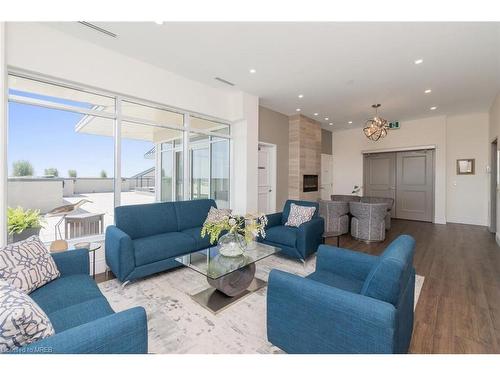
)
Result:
{"points": [[162, 246], [282, 235], [286, 209], [192, 214], [66, 291], [27, 264], [337, 281], [216, 215], [80, 313], [22, 321], [299, 215], [391, 272], [201, 242], [143, 220]]}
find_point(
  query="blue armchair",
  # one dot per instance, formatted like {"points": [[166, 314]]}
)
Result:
{"points": [[352, 303], [295, 242], [82, 318]]}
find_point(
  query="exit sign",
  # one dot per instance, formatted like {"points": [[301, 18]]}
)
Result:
{"points": [[394, 125]]}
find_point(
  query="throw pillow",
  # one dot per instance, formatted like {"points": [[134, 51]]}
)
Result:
{"points": [[299, 215], [27, 264], [22, 321], [217, 214]]}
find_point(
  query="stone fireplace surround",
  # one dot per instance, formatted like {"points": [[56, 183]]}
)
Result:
{"points": [[304, 156]]}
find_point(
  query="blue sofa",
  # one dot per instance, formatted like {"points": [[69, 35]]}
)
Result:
{"points": [[82, 318], [352, 303], [295, 242], [146, 238]]}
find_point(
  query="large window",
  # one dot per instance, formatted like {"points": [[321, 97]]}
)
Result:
{"points": [[209, 170], [63, 151]]}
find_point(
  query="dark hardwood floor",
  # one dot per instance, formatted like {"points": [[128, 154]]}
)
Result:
{"points": [[459, 306]]}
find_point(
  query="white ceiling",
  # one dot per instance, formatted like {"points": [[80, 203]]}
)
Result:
{"points": [[340, 68]]}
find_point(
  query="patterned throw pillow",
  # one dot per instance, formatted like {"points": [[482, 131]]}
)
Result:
{"points": [[27, 264], [299, 215], [22, 321], [217, 214]]}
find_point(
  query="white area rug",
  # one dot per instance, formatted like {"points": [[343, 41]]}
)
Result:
{"points": [[177, 324]]}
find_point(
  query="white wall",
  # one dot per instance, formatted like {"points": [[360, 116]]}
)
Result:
{"points": [[245, 156], [35, 194], [494, 132], [43, 49], [467, 196], [348, 159]]}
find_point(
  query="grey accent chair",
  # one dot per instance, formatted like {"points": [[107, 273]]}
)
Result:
{"points": [[335, 215], [368, 221], [388, 201], [345, 198]]}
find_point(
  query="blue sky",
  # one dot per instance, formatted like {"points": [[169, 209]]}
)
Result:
{"points": [[46, 138]]}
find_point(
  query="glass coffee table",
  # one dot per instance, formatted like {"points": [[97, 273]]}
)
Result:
{"points": [[230, 278]]}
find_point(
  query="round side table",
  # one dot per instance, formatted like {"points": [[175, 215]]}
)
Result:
{"points": [[92, 249]]}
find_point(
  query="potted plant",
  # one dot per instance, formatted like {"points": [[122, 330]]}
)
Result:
{"points": [[239, 232], [23, 223]]}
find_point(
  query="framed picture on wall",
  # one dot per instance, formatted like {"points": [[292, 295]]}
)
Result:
{"points": [[465, 166]]}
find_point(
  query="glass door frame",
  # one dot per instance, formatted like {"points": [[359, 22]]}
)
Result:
{"points": [[118, 118]]}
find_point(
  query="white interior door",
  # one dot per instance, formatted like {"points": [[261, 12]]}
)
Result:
{"points": [[326, 176], [264, 184]]}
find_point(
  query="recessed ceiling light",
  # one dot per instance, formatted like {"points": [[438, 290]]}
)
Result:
{"points": [[350, 122], [316, 113], [428, 91], [301, 96], [159, 22], [298, 109], [331, 123], [418, 61], [252, 71], [326, 118], [433, 108]]}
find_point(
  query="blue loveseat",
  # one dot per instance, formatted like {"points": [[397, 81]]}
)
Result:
{"points": [[295, 242], [352, 303], [82, 318], [146, 238]]}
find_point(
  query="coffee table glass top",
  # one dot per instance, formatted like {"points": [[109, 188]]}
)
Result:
{"points": [[210, 263]]}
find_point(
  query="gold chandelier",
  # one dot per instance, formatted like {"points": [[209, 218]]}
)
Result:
{"points": [[376, 127]]}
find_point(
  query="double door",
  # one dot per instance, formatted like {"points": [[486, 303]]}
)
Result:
{"points": [[407, 177]]}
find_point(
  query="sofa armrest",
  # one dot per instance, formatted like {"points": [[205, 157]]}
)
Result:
{"points": [[344, 262], [309, 236], [72, 262], [274, 220], [125, 332], [119, 251], [305, 316]]}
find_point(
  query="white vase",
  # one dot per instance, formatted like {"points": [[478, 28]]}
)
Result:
{"points": [[232, 245]]}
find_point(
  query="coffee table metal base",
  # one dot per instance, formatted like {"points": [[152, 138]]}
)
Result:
{"points": [[216, 301]]}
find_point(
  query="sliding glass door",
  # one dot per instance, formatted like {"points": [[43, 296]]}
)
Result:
{"points": [[171, 171], [209, 169], [200, 173], [219, 178]]}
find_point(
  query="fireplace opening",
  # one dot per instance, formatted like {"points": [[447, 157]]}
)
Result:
{"points": [[310, 183]]}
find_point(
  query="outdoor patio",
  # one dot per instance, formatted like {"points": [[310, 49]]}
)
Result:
{"points": [[101, 203]]}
